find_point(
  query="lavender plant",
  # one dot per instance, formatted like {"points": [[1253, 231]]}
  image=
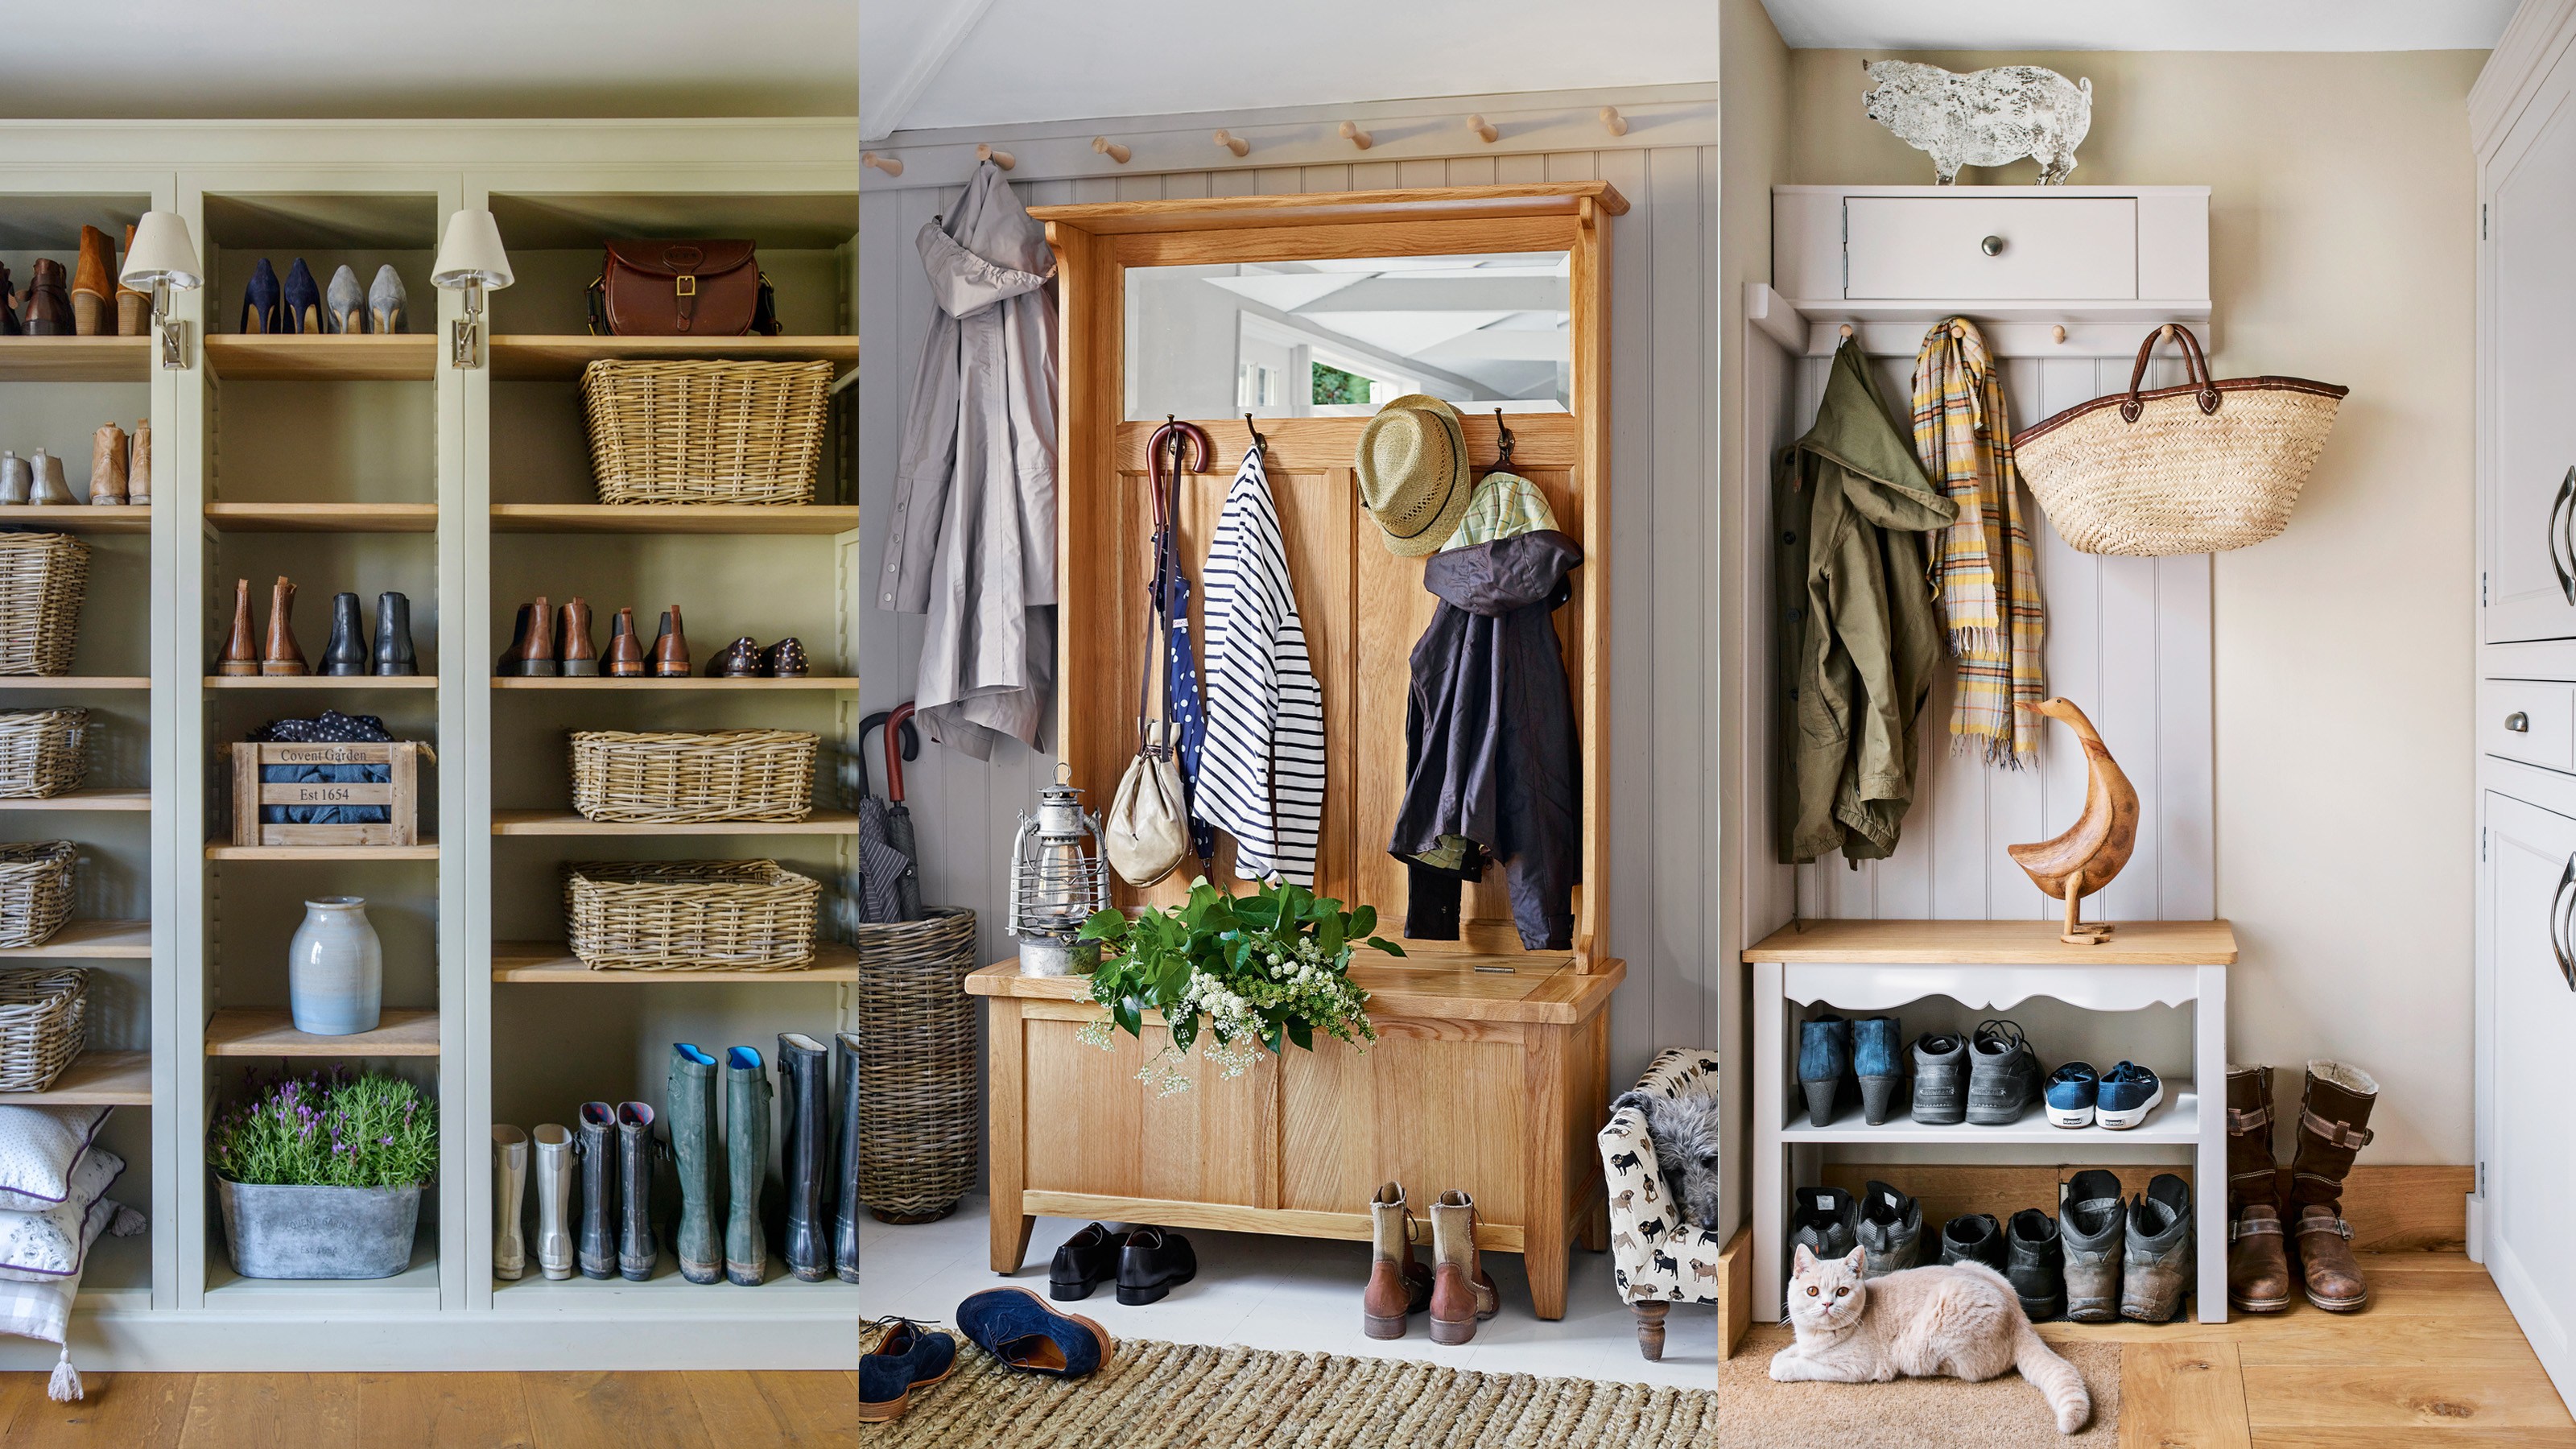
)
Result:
{"points": [[328, 1130]]}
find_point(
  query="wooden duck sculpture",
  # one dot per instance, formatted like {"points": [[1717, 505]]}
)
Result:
{"points": [[2094, 849]]}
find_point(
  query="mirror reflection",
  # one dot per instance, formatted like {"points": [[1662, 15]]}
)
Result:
{"points": [[1344, 338]]}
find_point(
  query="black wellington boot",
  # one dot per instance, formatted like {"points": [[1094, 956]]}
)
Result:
{"points": [[636, 1251], [845, 1158], [347, 652], [803, 1133], [393, 636], [597, 1144]]}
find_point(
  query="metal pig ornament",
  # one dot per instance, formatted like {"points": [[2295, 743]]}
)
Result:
{"points": [[1983, 118]]}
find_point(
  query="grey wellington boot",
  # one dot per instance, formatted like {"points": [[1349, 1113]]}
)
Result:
{"points": [[637, 1251], [2159, 1257], [845, 1158], [689, 1106], [596, 1142], [803, 1133], [2092, 1231], [1891, 1230], [747, 1096], [1827, 1221]]}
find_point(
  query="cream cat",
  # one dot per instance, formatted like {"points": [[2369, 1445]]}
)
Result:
{"points": [[1960, 1321]]}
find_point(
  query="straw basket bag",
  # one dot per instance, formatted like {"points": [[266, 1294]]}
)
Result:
{"points": [[2200, 468]]}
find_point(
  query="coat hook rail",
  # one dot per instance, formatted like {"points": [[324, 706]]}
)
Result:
{"points": [[1111, 149]]}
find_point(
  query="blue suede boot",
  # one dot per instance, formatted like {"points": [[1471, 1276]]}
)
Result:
{"points": [[1878, 1059], [1824, 1057], [1024, 1331]]}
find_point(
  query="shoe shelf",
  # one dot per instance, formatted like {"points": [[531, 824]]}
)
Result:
{"points": [[553, 822], [75, 681], [321, 681], [322, 517], [748, 518], [817, 682], [554, 961], [75, 359], [269, 1031], [84, 800], [90, 940], [224, 850], [415, 1287], [2175, 1120], [297, 357], [525, 357], [117, 1079], [78, 518], [779, 1292]]}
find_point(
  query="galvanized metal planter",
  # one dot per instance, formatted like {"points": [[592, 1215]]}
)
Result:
{"points": [[318, 1232]]}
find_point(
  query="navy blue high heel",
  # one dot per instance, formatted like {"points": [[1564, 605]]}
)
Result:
{"points": [[259, 300], [303, 300]]}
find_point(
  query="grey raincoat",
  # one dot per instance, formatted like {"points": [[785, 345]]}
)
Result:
{"points": [[971, 543]]}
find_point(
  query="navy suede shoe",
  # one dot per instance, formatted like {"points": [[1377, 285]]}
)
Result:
{"points": [[908, 1358], [1019, 1328]]}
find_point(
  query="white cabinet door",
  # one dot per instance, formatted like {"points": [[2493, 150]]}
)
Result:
{"points": [[1897, 247], [2526, 1145], [2529, 548]]}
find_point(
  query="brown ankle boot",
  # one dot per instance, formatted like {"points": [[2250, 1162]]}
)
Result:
{"points": [[283, 656], [1398, 1283], [93, 284], [107, 464], [2258, 1260], [1461, 1294], [2333, 1128], [241, 649]]}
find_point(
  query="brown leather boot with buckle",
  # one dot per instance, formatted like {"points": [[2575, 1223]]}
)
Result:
{"points": [[1398, 1283], [2333, 1128], [2258, 1255], [1461, 1294]]}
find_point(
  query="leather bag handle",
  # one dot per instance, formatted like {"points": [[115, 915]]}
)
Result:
{"points": [[2195, 367]]}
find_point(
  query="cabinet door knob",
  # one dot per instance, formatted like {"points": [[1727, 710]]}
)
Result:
{"points": [[1992, 246], [2518, 722]]}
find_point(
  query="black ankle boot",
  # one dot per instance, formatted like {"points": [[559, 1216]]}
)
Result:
{"points": [[597, 1144], [636, 1251], [803, 1131], [347, 652], [393, 636], [845, 1158]]}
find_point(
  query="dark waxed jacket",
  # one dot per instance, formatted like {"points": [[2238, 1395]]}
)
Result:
{"points": [[1489, 737]]}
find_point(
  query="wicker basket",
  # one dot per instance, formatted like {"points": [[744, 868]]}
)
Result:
{"points": [[2200, 468], [43, 752], [705, 432], [690, 915], [673, 778], [916, 1033], [42, 578], [35, 890], [42, 1011]]}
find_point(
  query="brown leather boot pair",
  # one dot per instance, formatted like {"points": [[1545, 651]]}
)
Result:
{"points": [[2332, 1131], [1455, 1289], [242, 654]]}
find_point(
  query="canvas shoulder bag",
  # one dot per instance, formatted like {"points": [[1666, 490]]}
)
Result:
{"points": [[1147, 831], [681, 289]]}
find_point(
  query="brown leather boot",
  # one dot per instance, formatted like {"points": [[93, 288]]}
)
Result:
{"points": [[2332, 1131], [138, 463], [1398, 1283], [93, 283], [2258, 1257], [1461, 1294], [133, 306], [107, 464], [241, 649], [284, 656], [47, 306]]}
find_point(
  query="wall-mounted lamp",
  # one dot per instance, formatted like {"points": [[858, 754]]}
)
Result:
{"points": [[1616, 123], [1111, 149], [1484, 130], [1003, 159], [471, 259], [1352, 133], [163, 256], [1234, 143], [886, 164]]}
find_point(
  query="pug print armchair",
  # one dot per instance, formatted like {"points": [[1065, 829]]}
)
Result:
{"points": [[1661, 1254]]}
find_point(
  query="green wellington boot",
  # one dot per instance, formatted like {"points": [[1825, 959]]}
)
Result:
{"points": [[690, 1108], [747, 1098]]}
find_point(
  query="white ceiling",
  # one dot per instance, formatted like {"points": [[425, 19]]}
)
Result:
{"points": [[935, 63], [434, 58], [2127, 25]]}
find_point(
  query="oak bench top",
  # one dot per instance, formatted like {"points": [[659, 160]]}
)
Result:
{"points": [[1540, 987], [1997, 943]]}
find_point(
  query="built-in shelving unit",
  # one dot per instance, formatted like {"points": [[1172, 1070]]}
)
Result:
{"points": [[522, 358], [75, 359], [698, 518], [291, 357], [323, 517], [825, 683], [260, 1031], [321, 681], [78, 517], [115, 1079], [75, 681], [553, 961], [89, 799], [98, 939], [426, 850], [550, 822]]}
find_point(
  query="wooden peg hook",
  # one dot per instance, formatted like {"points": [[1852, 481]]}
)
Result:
{"points": [[2058, 332], [1352, 133], [1003, 159], [1617, 124], [1847, 332], [1234, 143], [886, 164], [1111, 149], [1484, 130]]}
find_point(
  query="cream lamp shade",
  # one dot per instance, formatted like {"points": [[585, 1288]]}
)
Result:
{"points": [[471, 252], [162, 252]]}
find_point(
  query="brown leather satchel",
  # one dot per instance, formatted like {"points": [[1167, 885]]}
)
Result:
{"points": [[681, 289]]}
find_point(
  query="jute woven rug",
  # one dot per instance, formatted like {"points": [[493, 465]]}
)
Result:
{"points": [[1187, 1396], [2004, 1413]]}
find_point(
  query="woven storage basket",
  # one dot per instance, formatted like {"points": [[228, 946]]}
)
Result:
{"points": [[916, 1030], [43, 752], [2200, 468], [690, 915], [705, 432], [673, 778], [42, 1024], [42, 578], [35, 890]]}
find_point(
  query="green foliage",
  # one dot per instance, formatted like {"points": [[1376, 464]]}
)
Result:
{"points": [[1332, 385], [328, 1130]]}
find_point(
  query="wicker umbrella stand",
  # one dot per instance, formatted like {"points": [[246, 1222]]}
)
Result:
{"points": [[916, 1031]]}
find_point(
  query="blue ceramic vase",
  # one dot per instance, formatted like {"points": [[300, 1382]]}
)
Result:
{"points": [[335, 969]]}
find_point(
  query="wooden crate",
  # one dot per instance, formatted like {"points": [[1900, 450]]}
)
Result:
{"points": [[401, 796]]}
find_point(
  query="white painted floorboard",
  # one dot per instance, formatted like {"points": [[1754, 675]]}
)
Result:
{"points": [[1295, 1294]]}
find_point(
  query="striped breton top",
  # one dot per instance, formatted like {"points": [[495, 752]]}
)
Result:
{"points": [[1261, 777]]}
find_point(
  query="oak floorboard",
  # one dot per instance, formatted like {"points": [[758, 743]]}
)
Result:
{"points": [[615, 1411], [2426, 1399], [2411, 1437], [2188, 1394], [444, 1411], [119, 1411], [794, 1410], [272, 1411], [2469, 1340]]}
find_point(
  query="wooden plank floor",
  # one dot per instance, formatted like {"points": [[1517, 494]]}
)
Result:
{"points": [[728, 1410], [2435, 1360]]}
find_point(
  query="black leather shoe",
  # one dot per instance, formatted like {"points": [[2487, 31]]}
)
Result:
{"points": [[1088, 1259], [1153, 1263]]}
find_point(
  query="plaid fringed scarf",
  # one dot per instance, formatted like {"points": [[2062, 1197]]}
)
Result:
{"points": [[1982, 564]]}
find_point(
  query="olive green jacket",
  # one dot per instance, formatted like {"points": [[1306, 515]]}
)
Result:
{"points": [[1858, 636]]}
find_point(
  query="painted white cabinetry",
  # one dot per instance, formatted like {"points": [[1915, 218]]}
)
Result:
{"points": [[2527, 1016]]}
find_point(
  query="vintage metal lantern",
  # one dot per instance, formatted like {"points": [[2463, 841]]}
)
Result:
{"points": [[1056, 882]]}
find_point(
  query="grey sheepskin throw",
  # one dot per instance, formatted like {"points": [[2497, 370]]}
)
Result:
{"points": [[1684, 1132]]}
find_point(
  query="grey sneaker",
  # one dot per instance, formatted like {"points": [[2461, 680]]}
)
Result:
{"points": [[2003, 1075], [2158, 1261], [1940, 1080], [1827, 1221], [2091, 1230], [1891, 1230]]}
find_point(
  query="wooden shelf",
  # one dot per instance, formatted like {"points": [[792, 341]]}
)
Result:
{"points": [[2175, 1119], [563, 822], [75, 359], [85, 800], [321, 681], [77, 517], [89, 939], [426, 850], [818, 681], [304, 357], [269, 1031], [525, 356], [323, 517], [75, 681], [1998, 943], [553, 961], [708, 518], [118, 1079]]}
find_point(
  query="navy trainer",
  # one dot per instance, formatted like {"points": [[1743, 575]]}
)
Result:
{"points": [[2070, 1095], [2128, 1093]]}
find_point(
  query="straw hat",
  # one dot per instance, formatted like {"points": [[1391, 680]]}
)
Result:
{"points": [[1413, 473]]}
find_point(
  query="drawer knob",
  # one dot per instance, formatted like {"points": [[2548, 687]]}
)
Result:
{"points": [[1992, 246], [2518, 722]]}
